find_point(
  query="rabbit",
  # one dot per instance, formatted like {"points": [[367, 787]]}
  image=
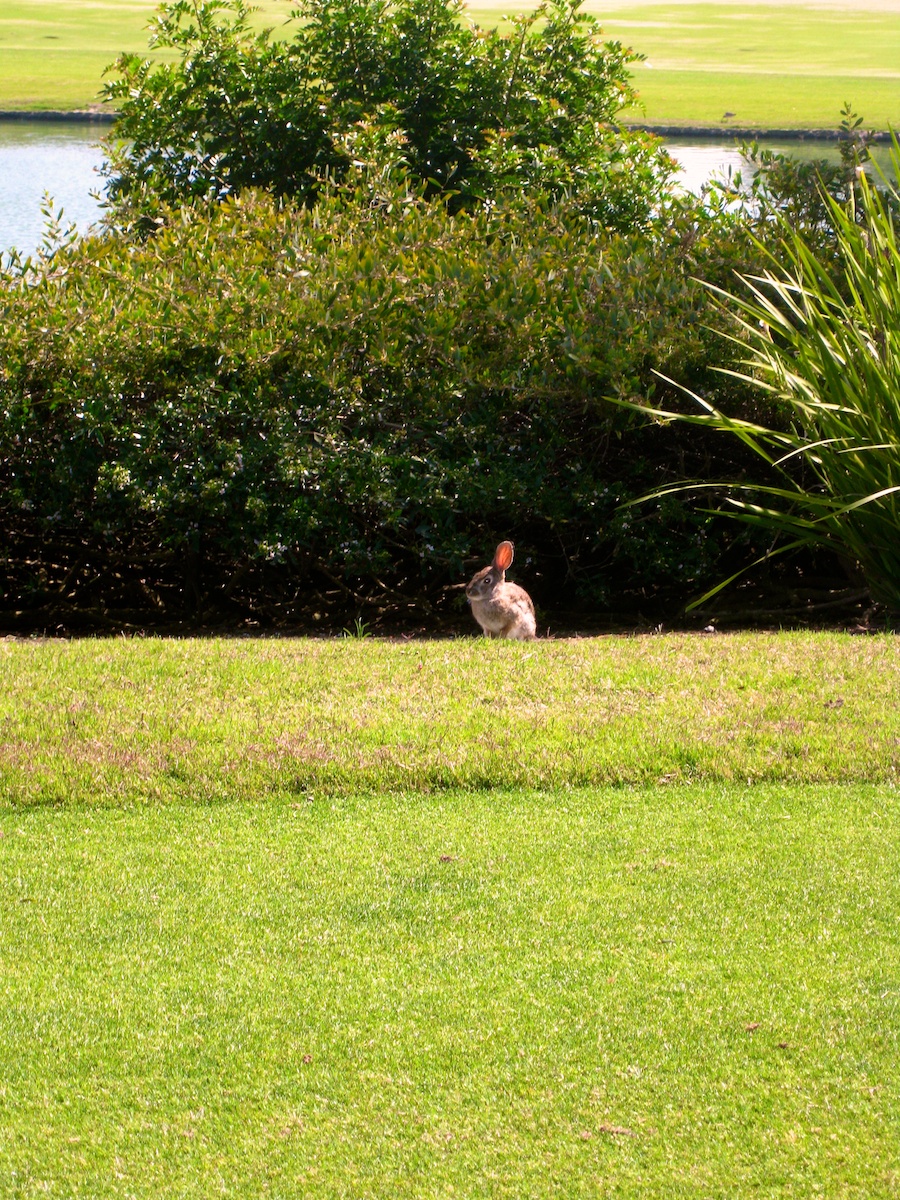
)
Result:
{"points": [[501, 609]]}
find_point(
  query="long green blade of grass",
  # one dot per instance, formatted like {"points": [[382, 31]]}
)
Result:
{"points": [[820, 336]]}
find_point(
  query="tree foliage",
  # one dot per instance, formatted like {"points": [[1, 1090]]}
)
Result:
{"points": [[409, 83]]}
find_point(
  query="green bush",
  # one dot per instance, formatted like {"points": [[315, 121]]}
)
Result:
{"points": [[274, 412], [465, 111]]}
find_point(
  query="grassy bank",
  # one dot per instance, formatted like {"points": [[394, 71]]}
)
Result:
{"points": [[771, 65]]}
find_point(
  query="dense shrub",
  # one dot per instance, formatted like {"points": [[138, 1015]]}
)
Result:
{"points": [[273, 411]]}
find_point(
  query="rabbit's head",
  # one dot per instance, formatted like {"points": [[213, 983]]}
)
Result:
{"points": [[483, 583]]}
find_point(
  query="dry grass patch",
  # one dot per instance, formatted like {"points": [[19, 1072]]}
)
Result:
{"points": [[146, 721]]}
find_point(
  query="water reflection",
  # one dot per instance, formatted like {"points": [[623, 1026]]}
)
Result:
{"points": [[701, 160], [38, 157]]}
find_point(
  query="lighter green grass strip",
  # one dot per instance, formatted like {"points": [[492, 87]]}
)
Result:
{"points": [[668, 992], [722, 100]]}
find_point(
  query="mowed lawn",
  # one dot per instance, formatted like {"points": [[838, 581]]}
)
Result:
{"points": [[763, 65], [612, 917], [53, 53], [770, 65]]}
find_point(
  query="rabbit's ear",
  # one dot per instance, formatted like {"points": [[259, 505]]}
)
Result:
{"points": [[504, 556]]}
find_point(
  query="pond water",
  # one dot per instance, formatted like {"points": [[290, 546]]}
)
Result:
{"points": [[57, 158], [61, 159]]}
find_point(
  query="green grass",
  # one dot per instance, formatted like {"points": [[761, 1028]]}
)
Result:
{"points": [[362, 918], [53, 53], [772, 65], [664, 992], [119, 721], [774, 102]]}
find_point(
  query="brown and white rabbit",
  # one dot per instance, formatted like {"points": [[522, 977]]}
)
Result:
{"points": [[501, 609]]}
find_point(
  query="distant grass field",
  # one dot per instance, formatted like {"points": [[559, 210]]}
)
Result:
{"points": [[768, 65], [772, 65], [352, 918], [53, 52]]}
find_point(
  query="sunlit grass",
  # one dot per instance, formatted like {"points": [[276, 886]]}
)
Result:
{"points": [[663, 992], [772, 65], [723, 100], [53, 54], [121, 721], [354, 918]]}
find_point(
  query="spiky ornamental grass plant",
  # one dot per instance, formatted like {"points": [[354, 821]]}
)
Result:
{"points": [[820, 333]]}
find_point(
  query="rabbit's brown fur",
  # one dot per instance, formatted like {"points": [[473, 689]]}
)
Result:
{"points": [[501, 609]]}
